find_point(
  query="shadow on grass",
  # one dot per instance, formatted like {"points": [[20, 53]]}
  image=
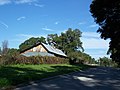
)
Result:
{"points": [[14, 75], [100, 78], [73, 68]]}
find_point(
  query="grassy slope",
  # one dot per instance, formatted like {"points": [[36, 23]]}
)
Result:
{"points": [[17, 74]]}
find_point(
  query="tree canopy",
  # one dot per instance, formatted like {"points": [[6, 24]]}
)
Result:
{"points": [[107, 15], [68, 41], [30, 42], [104, 61]]}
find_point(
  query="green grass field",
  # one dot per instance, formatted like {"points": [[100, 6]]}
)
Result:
{"points": [[13, 75]]}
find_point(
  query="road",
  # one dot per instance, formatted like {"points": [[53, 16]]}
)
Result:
{"points": [[100, 78]]}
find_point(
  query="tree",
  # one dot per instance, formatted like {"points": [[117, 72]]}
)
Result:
{"points": [[30, 42], [80, 57], [0, 51], [107, 15], [13, 52], [67, 42], [4, 47], [53, 40], [107, 62], [73, 39]]}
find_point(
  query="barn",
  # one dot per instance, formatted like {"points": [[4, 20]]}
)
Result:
{"points": [[42, 49]]}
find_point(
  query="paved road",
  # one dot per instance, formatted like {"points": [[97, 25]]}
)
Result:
{"points": [[93, 79]]}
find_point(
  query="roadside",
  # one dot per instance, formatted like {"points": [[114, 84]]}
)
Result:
{"points": [[100, 78], [14, 75]]}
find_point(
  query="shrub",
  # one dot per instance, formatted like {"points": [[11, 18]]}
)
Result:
{"points": [[107, 62], [6, 59], [20, 59]]}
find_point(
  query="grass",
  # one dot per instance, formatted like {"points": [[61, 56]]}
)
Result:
{"points": [[13, 75]]}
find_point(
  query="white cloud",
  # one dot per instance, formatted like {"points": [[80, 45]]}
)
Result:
{"points": [[29, 36], [39, 5], [91, 40], [22, 37], [20, 18], [96, 53], [4, 24], [81, 23], [24, 1], [29, 2], [16, 40], [26, 35], [101, 52], [94, 43], [93, 26], [47, 29], [56, 23], [3, 2], [90, 35]]}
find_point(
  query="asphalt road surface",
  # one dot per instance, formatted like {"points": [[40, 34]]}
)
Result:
{"points": [[100, 78]]}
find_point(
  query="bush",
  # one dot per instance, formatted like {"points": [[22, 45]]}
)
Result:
{"points": [[20, 59], [6, 59], [107, 62]]}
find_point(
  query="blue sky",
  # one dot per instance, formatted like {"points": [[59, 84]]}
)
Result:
{"points": [[22, 19]]}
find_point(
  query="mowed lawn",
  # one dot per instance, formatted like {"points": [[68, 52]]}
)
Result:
{"points": [[13, 75]]}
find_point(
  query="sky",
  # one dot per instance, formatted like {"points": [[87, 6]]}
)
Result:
{"points": [[22, 19]]}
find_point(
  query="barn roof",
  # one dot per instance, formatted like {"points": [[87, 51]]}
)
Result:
{"points": [[54, 50]]}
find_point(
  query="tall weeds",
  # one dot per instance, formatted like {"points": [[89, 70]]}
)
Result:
{"points": [[19, 59]]}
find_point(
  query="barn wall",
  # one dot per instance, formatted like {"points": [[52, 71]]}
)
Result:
{"points": [[38, 48]]}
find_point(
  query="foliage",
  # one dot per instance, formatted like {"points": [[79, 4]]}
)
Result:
{"points": [[70, 43], [13, 57], [75, 58], [67, 42], [17, 74], [88, 59], [13, 52], [19, 59], [80, 57], [8, 58], [107, 14], [107, 62], [30, 42], [40, 60], [0, 51], [53, 40]]}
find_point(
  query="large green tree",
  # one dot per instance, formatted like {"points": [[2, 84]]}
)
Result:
{"points": [[30, 42], [107, 14], [67, 42], [54, 40]]}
